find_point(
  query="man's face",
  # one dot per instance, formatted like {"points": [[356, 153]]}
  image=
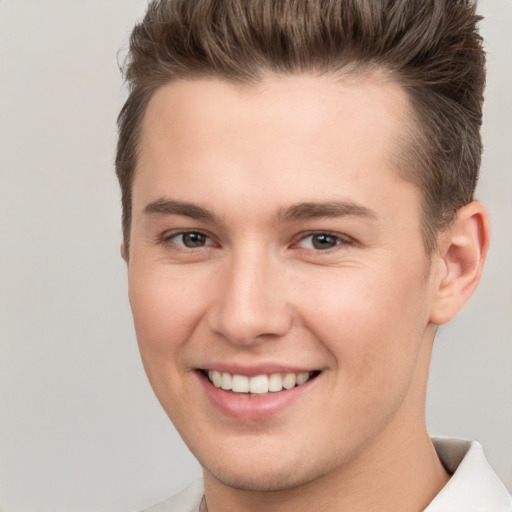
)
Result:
{"points": [[273, 240]]}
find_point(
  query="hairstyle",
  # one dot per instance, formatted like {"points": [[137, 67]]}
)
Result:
{"points": [[429, 47]]}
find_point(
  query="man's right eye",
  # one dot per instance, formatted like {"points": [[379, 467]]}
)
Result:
{"points": [[320, 241], [189, 239]]}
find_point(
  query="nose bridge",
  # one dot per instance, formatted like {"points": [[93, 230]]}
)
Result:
{"points": [[250, 303]]}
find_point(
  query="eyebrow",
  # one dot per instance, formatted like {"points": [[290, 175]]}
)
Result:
{"points": [[328, 210], [299, 211], [171, 207]]}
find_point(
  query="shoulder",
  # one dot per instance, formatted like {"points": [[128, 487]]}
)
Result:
{"points": [[187, 500], [474, 485]]}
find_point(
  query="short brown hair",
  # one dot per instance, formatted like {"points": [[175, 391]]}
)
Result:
{"points": [[430, 47]]}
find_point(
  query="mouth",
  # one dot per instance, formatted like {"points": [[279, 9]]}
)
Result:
{"points": [[258, 385]]}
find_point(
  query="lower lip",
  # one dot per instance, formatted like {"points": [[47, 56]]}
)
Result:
{"points": [[252, 408]]}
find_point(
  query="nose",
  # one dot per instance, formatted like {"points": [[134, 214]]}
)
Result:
{"points": [[250, 304]]}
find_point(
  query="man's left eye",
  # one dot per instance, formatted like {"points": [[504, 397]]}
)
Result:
{"points": [[191, 239], [320, 241]]}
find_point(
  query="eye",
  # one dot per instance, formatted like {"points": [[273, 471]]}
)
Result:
{"points": [[320, 241], [189, 239]]}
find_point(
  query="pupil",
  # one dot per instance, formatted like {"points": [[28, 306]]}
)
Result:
{"points": [[194, 239], [324, 241]]}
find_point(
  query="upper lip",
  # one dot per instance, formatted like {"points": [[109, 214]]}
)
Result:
{"points": [[253, 370]]}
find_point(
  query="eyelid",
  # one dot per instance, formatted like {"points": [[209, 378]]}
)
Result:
{"points": [[168, 237], [342, 240]]}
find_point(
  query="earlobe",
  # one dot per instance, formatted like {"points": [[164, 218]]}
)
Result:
{"points": [[122, 250], [463, 249]]}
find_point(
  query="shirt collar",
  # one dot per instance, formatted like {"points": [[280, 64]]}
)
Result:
{"points": [[474, 485]]}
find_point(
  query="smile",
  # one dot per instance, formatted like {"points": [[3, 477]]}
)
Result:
{"points": [[255, 395], [258, 385]]}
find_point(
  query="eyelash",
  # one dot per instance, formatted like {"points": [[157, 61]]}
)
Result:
{"points": [[168, 239], [340, 240]]}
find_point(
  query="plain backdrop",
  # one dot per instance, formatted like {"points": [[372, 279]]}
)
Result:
{"points": [[80, 429]]}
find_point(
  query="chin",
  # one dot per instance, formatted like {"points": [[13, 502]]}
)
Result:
{"points": [[264, 476], [263, 482]]}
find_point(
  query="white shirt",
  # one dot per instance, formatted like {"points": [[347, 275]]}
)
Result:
{"points": [[473, 487]]}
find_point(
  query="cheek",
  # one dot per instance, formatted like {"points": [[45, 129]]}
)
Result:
{"points": [[165, 310], [371, 322], [164, 313], [373, 334]]}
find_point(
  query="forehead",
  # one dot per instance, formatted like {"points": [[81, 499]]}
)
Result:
{"points": [[287, 138]]}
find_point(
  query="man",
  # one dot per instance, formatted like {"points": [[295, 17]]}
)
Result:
{"points": [[298, 217]]}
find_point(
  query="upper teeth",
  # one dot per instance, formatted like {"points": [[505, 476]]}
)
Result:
{"points": [[258, 384]]}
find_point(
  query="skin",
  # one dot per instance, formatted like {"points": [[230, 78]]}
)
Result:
{"points": [[362, 308]]}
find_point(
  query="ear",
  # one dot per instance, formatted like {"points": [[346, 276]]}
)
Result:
{"points": [[122, 250], [460, 261]]}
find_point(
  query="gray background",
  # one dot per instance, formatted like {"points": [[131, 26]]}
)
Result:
{"points": [[80, 429]]}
